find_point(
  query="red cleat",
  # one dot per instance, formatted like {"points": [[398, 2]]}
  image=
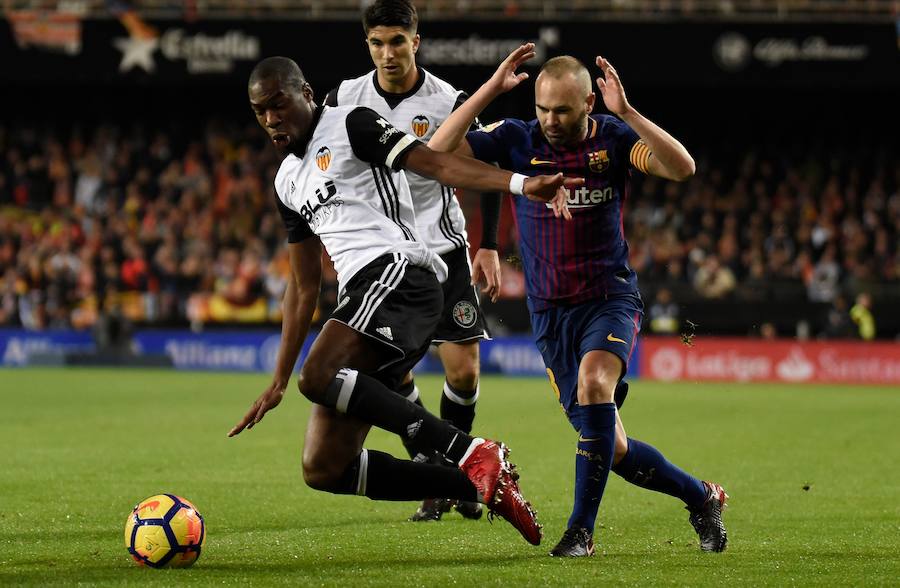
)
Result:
{"points": [[495, 479]]}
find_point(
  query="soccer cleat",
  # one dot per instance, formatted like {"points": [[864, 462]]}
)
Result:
{"points": [[483, 465], [707, 519], [470, 510], [620, 394], [575, 542], [495, 480], [431, 509]]}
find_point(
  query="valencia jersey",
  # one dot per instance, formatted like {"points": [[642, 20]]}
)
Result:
{"points": [[586, 258], [419, 112], [347, 189]]}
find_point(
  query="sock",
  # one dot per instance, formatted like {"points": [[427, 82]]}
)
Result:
{"points": [[644, 466], [380, 476], [416, 451], [458, 406], [367, 399], [596, 444]]}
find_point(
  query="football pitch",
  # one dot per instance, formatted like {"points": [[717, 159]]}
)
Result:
{"points": [[813, 473]]}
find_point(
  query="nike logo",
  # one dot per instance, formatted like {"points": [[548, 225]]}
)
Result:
{"points": [[536, 161], [581, 439], [614, 339]]}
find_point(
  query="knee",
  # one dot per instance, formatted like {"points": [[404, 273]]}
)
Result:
{"points": [[319, 472], [464, 377], [313, 382], [593, 389]]}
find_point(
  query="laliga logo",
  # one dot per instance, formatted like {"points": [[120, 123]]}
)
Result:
{"points": [[420, 125]]}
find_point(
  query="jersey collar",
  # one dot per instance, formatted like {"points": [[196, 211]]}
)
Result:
{"points": [[395, 99], [317, 114]]}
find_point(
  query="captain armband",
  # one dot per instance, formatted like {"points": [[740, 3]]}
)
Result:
{"points": [[640, 156]]}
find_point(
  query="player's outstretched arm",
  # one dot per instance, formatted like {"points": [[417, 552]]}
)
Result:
{"points": [[669, 159], [463, 172], [450, 134], [299, 305]]}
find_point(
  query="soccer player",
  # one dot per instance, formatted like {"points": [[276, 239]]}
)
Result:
{"points": [[339, 185], [582, 296], [415, 100]]}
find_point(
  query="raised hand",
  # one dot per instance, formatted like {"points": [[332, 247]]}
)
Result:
{"points": [[506, 78], [611, 88], [268, 400]]}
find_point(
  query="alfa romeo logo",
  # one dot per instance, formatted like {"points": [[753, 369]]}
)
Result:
{"points": [[464, 313]]}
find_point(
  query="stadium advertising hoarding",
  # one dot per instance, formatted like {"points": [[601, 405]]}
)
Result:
{"points": [[130, 50], [748, 360]]}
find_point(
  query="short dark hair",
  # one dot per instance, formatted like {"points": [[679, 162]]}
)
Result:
{"points": [[284, 69], [391, 13]]}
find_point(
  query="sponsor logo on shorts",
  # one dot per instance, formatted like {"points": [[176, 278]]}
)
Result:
{"points": [[464, 313], [385, 332], [413, 429], [614, 339], [342, 304]]}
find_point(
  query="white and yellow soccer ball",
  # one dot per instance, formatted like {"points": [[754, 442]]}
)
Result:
{"points": [[165, 531]]}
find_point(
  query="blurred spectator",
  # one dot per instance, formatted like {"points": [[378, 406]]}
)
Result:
{"points": [[663, 314], [861, 314], [713, 280]]}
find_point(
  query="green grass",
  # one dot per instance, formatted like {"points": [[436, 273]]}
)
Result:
{"points": [[78, 448]]}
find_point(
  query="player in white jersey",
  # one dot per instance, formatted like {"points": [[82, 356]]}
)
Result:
{"points": [[340, 185], [418, 102]]}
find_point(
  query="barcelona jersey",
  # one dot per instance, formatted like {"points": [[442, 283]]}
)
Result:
{"points": [[586, 258]]}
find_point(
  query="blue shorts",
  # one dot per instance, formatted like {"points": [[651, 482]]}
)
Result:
{"points": [[565, 334]]}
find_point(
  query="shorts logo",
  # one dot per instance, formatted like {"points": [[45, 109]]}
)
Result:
{"points": [[492, 126], [342, 303], [420, 125], [323, 158], [598, 161], [612, 338], [385, 332], [464, 314], [413, 429]]}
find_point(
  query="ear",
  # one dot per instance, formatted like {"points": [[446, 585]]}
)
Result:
{"points": [[589, 102], [415, 42], [307, 92]]}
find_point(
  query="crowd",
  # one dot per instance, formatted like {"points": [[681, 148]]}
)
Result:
{"points": [[168, 230]]}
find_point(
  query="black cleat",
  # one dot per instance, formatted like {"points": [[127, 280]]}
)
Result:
{"points": [[431, 509], [575, 542], [470, 510], [707, 519]]}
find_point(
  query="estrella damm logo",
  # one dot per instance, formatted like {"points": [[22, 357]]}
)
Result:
{"points": [[323, 158], [598, 161], [420, 125]]}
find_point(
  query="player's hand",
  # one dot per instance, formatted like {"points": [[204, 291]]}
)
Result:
{"points": [[553, 189], [266, 402], [486, 270], [611, 88], [506, 78]]}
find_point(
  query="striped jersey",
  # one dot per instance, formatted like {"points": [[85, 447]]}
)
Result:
{"points": [[586, 258], [420, 111], [347, 189]]}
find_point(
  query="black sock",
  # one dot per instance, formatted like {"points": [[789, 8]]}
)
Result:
{"points": [[458, 406], [415, 449], [380, 476], [369, 400]]}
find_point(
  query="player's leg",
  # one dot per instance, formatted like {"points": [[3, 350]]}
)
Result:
{"points": [[643, 465], [392, 309], [334, 460]]}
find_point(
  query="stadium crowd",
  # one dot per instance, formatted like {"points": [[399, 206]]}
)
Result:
{"points": [[170, 231]]}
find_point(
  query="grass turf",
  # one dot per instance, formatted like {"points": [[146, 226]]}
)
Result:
{"points": [[81, 447]]}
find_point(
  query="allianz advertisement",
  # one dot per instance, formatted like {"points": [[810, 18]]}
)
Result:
{"points": [[246, 351]]}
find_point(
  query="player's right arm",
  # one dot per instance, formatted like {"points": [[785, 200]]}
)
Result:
{"points": [[451, 134]]}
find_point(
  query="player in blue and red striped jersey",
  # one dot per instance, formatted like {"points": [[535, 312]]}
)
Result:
{"points": [[583, 297]]}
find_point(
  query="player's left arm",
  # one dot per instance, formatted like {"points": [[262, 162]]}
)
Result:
{"points": [[662, 154]]}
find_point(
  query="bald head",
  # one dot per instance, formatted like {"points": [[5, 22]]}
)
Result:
{"points": [[281, 69], [563, 100], [565, 66]]}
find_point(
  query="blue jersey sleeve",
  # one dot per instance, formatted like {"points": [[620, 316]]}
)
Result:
{"points": [[494, 142], [629, 146]]}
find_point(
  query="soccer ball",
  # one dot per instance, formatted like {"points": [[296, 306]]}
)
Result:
{"points": [[165, 531]]}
